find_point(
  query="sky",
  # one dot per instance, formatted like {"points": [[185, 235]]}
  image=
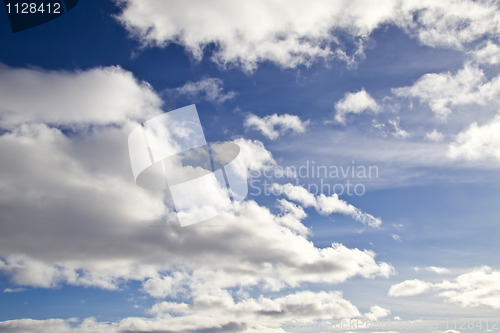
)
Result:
{"points": [[368, 135]]}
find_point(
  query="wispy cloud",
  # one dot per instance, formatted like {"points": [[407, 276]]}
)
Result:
{"points": [[438, 270], [209, 89], [326, 204], [274, 125], [13, 290]]}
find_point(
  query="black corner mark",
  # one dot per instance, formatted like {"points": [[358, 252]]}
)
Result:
{"points": [[70, 4], [26, 14]]}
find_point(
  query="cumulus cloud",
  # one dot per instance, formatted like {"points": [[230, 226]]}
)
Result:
{"points": [[72, 215], [438, 270], [409, 288], [47, 188], [326, 204], [377, 312], [449, 23], [39, 326], [217, 312], [294, 33], [444, 91], [488, 54], [102, 95], [210, 89], [288, 34], [477, 142], [164, 286], [300, 305], [255, 155], [354, 103], [272, 126], [479, 287], [434, 136]]}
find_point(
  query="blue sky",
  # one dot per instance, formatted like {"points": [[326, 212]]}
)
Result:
{"points": [[408, 88]]}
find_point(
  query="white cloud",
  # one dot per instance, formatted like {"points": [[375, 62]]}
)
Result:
{"points": [[409, 288], [444, 91], [294, 33], [255, 155], [434, 136], [489, 54], [217, 312], [293, 216], [449, 23], [438, 270], [162, 287], [13, 290], [391, 128], [209, 89], [287, 33], [398, 131], [479, 287], [38, 326], [72, 214], [477, 142], [103, 95], [398, 226], [326, 204], [272, 126], [51, 180], [354, 103], [377, 312], [397, 238]]}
